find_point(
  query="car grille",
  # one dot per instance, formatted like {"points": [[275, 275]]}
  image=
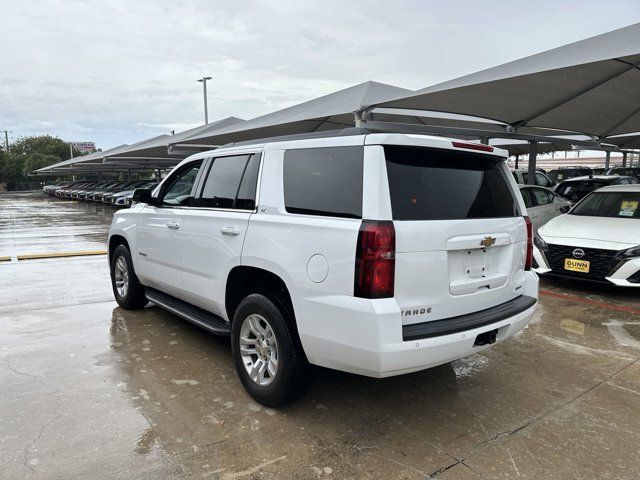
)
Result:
{"points": [[601, 261]]}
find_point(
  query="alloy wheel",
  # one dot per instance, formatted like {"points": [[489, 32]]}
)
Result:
{"points": [[259, 349]]}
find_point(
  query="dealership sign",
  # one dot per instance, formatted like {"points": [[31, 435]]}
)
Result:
{"points": [[84, 146]]}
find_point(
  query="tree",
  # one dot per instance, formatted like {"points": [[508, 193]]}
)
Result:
{"points": [[43, 144], [37, 161], [28, 154], [11, 171]]}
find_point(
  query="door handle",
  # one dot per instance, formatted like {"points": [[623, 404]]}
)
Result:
{"points": [[230, 231], [173, 225]]}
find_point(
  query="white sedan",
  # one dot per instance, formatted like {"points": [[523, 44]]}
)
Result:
{"points": [[543, 204], [599, 239]]}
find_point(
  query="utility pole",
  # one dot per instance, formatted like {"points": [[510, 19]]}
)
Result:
{"points": [[203, 80], [71, 149], [6, 140]]}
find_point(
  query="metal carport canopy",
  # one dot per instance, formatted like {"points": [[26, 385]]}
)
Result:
{"points": [[329, 112], [157, 148], [333, 112], [93, 159], [591, 87], [521, 147], [630, 142]]}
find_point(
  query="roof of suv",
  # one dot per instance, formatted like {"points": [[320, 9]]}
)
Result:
{"points": [[357, 136]]}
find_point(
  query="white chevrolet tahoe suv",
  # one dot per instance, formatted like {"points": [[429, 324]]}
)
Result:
{"points": [[377, 254]]}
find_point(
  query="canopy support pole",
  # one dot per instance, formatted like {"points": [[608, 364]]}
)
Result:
{"points": [[517, 160], [607, 159], [360, 118], [624, 159], [533, 153]]}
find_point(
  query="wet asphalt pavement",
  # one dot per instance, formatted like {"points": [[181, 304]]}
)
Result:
{"points": [[88, 390]]}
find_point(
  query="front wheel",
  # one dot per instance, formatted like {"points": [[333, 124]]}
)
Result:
{"points": [[127, 289], [266, 353]]}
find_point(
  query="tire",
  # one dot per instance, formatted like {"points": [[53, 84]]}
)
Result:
{"points": [[292, 375], [131, 297]]}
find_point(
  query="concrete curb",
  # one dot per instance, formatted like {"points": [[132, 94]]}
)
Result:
{"points": [[35, 256]]}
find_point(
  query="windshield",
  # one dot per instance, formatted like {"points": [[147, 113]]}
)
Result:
{"points": [[580, 189], [609, 204], [559, 175]]}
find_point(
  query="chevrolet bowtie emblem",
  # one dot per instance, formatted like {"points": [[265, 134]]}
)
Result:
{"points": [[487, 242]]}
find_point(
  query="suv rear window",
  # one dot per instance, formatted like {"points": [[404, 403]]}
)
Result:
{"points": [[435, 184], [324, 181]]}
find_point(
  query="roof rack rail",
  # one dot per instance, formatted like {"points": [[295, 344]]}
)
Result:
{"points": [[343, 132]]}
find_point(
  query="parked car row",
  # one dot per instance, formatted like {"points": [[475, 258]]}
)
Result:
{"points": [[558, 190], [556, 176], [112, 192]]}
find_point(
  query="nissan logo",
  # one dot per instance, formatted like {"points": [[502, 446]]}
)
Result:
{"points": [[578, 253]]}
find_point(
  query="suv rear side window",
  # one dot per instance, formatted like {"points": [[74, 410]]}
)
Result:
{"points": [[324, 181], [435, 184], [231, 183]]}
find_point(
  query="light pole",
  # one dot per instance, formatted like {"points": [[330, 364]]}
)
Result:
{"points": [[204, 91]]}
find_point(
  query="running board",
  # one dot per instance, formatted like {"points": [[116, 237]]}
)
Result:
{"points": [[195, 315]]}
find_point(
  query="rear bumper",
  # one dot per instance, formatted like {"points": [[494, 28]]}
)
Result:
{"points": [[367, 337], [462, 323]]}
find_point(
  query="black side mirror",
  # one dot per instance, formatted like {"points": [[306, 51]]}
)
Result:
{"points": [[143, 195], [565, 208]]}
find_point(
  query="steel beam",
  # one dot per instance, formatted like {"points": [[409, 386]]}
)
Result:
{"points": [[393, 127], [533, 154]]}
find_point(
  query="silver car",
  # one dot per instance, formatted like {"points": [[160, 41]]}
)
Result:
{"points": [[543, 204]]}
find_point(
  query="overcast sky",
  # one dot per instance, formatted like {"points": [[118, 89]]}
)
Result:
{"points": [[121, 71]]}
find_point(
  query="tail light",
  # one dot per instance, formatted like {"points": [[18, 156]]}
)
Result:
{"points": [[529, 246], [473, 146], [375, 260]]}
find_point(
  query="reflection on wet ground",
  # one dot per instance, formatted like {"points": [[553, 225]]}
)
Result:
{"points": [[91, 390]]}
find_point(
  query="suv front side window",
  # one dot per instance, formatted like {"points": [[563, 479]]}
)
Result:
{"points": [[231, 183], [179, 189]]}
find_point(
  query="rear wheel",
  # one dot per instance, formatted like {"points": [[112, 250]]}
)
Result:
{"points": [[127, 289], [266, 353]]}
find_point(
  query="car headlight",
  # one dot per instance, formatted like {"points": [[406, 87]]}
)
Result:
{"points": [[630, 252], [539, 242]]}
